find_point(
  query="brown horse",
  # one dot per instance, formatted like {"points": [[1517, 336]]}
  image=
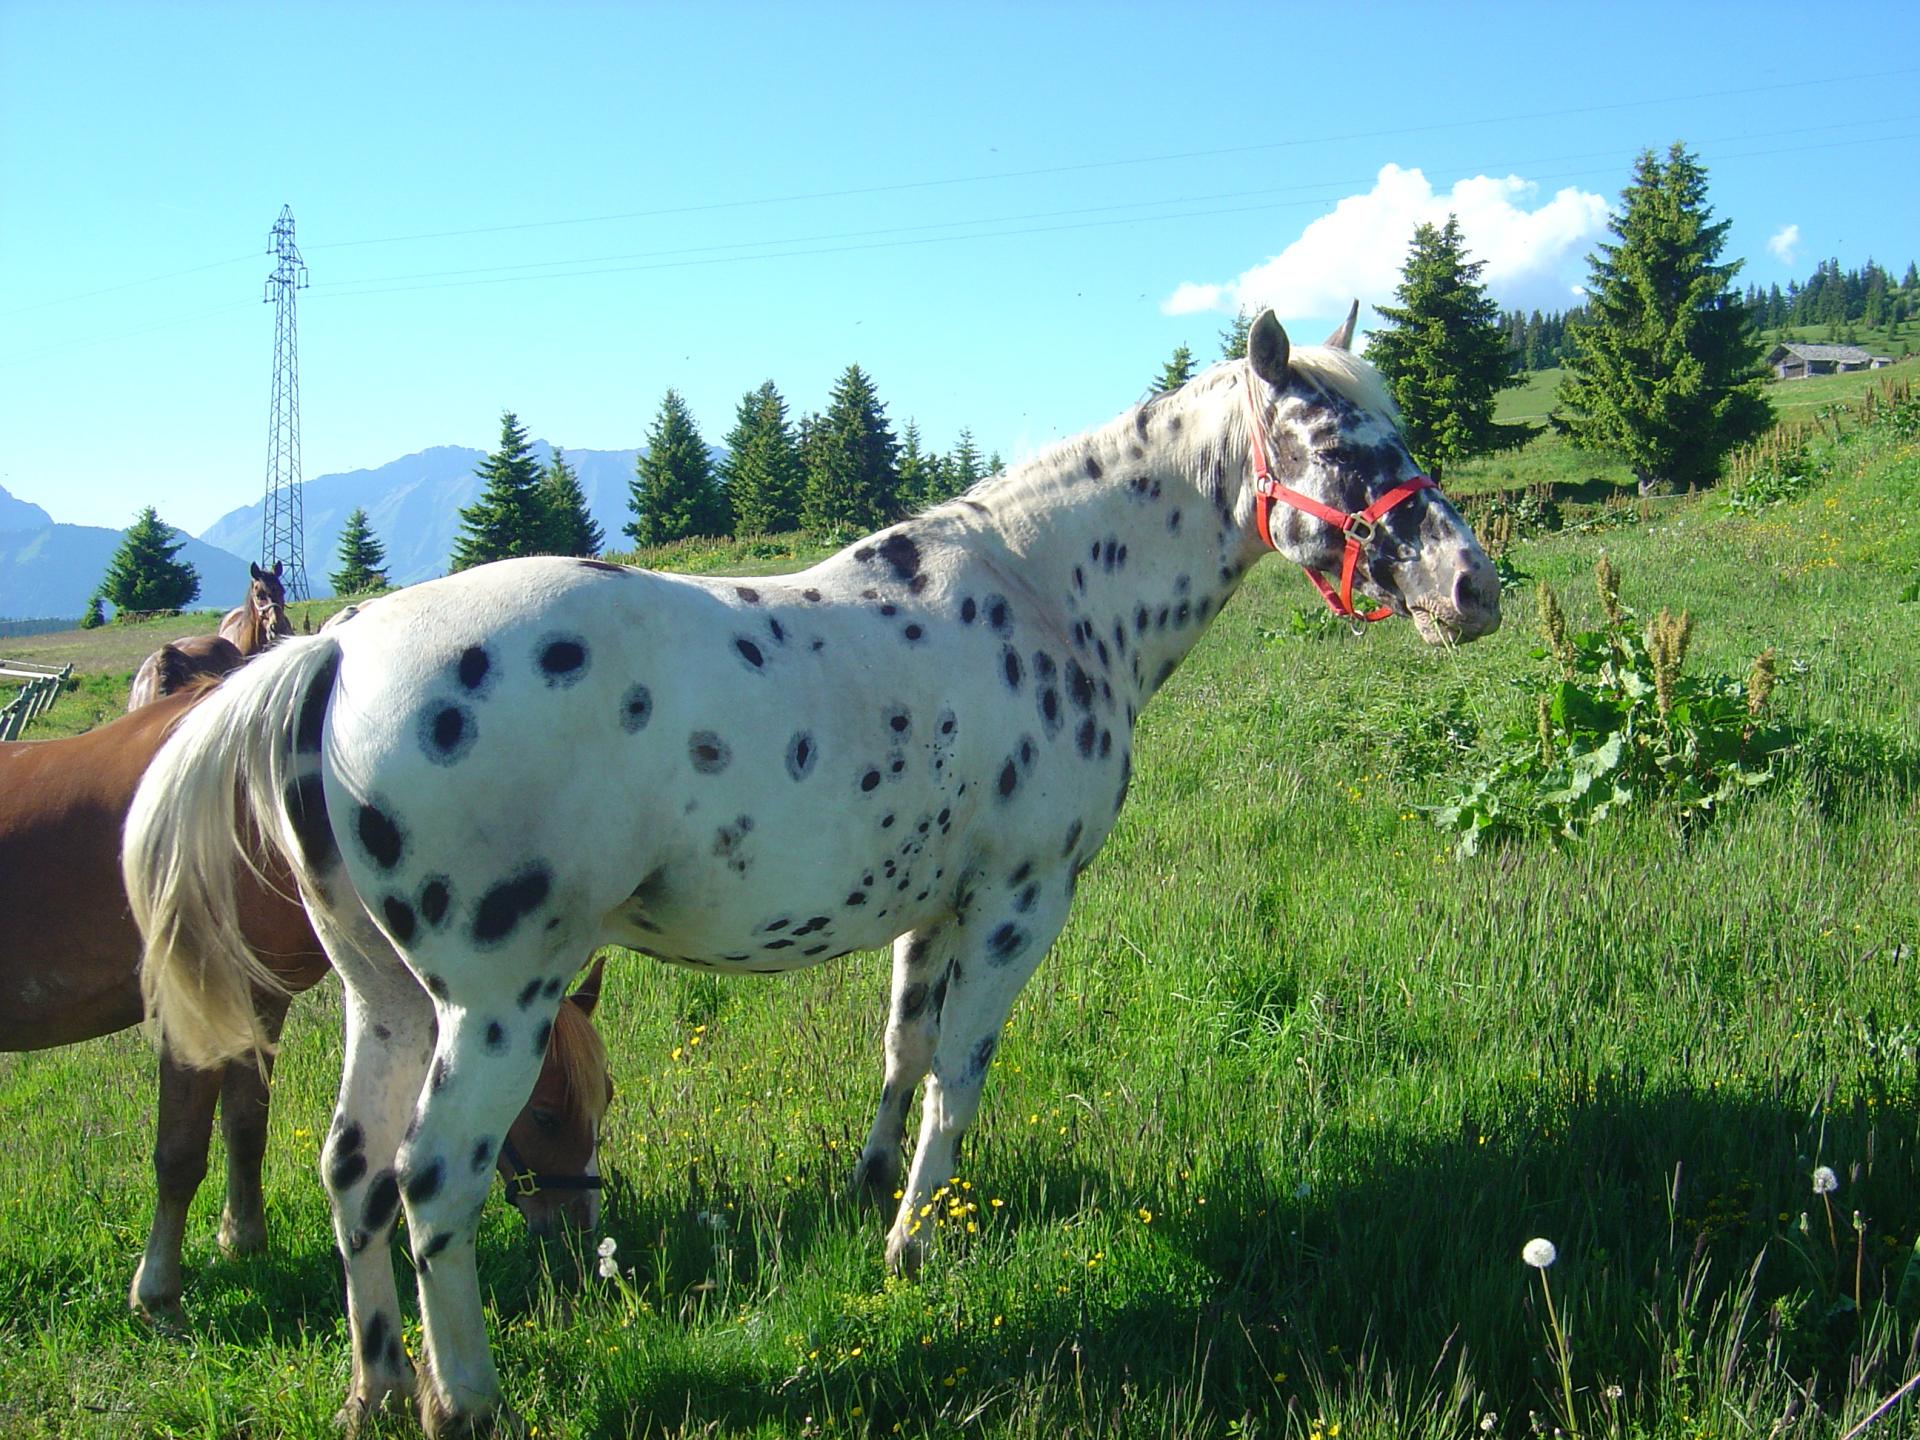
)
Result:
{"points": [[177, 662], [261, 619], [68, 972]]}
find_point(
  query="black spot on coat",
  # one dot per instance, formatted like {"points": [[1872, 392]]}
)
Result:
{"points": [[708, 752], [636, 709], [379, 836], [563, 660], [507, 903]]}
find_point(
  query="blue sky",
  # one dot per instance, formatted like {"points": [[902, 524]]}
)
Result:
{"points": [[1009, 215]]}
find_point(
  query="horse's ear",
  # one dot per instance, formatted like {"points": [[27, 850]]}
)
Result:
{"points": [[1268, 349], [255, 571], [1342, 338], [278, 563], [587, 993]]}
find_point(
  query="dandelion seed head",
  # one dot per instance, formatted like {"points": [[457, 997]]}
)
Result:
{"points": [[609, 1267], [1825, 1182], [1539, 1253], [606, 1248]]}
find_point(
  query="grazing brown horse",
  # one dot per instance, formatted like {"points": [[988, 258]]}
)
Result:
{"points": [[68, 972], [177, 662], [261, 618]]}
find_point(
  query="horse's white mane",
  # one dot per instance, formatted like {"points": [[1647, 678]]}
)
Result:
{"points": [[1339, 372]]}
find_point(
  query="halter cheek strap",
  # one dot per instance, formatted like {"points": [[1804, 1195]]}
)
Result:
{"points": [[1357, 526], [524, 1182]]}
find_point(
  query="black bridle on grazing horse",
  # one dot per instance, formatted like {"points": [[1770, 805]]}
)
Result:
{"points": [[524, 1182]]}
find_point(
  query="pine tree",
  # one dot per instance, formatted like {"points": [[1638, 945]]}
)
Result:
{"points": [[674, 493], [1233, 339], [1176, 372], [363, 558], [965, 465], [570, 526], [143, 576], [762, 468], [995, 464], [1443, 355], [853, 477], [508, 519], [94, 617], [1664, 371]]}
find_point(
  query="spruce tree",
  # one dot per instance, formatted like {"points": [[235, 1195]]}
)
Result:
{"points": [[363, 558], [853, 474], [921, 483], [1176, 372], [1664, 371], [143, 576], [1233, 339], [570, 526], [674, 494], [1443, 354], [965, 465], [508, 519], [762, 468]]}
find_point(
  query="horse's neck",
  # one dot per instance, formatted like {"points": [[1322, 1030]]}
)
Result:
{"points": [[1139, 519]]}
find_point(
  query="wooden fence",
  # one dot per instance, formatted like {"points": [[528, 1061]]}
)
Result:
{"points": [[44, 684]]}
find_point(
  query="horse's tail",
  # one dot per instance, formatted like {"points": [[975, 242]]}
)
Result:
{"points": [[217, 794]]}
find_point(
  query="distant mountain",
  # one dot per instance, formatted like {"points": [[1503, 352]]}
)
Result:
{"points": [[21, 514], [414, 506], [54, 569]]}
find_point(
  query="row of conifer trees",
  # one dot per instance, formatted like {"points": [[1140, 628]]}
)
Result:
{"points": [[839, 472]]}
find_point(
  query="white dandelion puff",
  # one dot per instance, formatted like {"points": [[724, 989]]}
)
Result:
{"points": [[606, 1248], [609, 1267], [1539, 1253], [1825, 1182]]}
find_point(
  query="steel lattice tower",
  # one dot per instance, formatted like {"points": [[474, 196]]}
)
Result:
{"points": [[282, 531]]}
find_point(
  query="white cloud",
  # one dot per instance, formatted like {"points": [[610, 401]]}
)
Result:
{"points": [[1535, 258], [1785, 243]]}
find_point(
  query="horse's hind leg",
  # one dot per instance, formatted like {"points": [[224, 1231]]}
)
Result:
{"points": [[494, 1026], [183, 1132], [389, 1040], [912, 1029], [243, 1122]]}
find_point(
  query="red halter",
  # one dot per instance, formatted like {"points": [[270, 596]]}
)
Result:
{"points": [[1356, 527]]}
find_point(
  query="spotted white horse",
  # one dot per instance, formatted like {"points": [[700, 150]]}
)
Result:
{"points": [[922, 740]]}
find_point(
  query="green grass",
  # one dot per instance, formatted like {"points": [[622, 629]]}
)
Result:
{"points": [[1267, 1131]]}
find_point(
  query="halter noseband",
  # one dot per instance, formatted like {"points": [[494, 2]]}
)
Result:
{"points": [[524, 1182], [1357, 526]]}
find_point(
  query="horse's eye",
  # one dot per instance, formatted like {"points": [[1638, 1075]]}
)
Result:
{"points": [[545, 1119]]}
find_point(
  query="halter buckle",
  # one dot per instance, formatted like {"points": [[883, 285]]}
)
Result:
{"points": [[526, 1185], [1359, 529]]}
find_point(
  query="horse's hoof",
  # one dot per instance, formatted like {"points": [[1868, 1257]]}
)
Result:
{"points": [[876, 1180], [238, 1238], [359, 1409], [159, 1307], [165, 1316], [905, 1254], [495, 1422]]}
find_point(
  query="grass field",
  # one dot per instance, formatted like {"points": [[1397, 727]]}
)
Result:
{"points": [[1269, 1129]]}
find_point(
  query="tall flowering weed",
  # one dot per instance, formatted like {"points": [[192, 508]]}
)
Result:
{"points": [[1617, 721]]}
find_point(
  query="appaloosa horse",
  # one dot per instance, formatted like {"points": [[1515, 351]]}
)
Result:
{"points": [[922, 740], [69, 972]]}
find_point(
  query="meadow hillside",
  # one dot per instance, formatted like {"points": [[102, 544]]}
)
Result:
{"points": [[1268, 1131]]}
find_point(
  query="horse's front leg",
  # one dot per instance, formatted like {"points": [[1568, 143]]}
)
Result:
{"points": [[986, 960], [389, 1041], [493, 1033], [919, 959], [182, 1133], [244, 1096]]}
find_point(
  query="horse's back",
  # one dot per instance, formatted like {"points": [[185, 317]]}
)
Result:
{"points": [[711, 757], [68, 963], [177, 663]]}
